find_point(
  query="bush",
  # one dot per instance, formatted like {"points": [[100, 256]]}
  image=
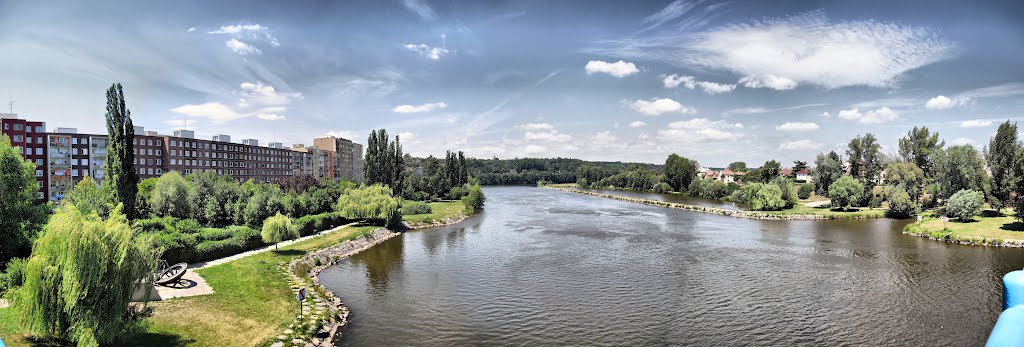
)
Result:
{"points": [[900, 204], [786, 190], [694, 188], [662, 188], [188, 226], [474, 201], [415, 207], [278, 228], [308, 225], [215, 234], [965, 204], [711, 189], [12, 276], [175, 247], [805, 191], [242, 239], [845, 191], [156, 224], [760, 196], [457, 193]]}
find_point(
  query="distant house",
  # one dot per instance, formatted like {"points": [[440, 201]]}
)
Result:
{"points": [[804, 175], [786, 172], [728, 176]]}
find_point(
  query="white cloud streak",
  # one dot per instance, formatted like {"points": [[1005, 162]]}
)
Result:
{"points": [[618, 69], [420, 108], [657, 107]]}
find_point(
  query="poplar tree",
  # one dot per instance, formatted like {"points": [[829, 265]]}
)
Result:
{"points": [[1000, 154], [120, 166], [383, 162]]}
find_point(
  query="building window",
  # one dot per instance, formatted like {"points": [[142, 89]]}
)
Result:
{"points": [[39, 162], [74, 173], [18, 138], [74, 140], [158, 171], [39, 173], [40, 129], [19, 127], [39, 151], [149, 142]]}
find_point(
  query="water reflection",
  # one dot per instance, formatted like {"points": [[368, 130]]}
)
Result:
{"points": [[549, 268]]}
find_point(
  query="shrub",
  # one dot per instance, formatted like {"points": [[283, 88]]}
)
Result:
{"points": [[711, 189], [156, 224], [693, 189], [900, 204], [12, 276], [415, 207], [845, 191], [188, 226], [242, 239], [278, 228], [805, 191], [375, 203], [80, 278], [662, 188], [786, 190], [308, 225], [542, 183], [457, 193], [765, 197], [175, 247], [215, 234], [474, 201], [965, 204]]}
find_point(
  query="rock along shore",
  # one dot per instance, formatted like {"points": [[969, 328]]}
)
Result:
{"points": [[324, 314], [711, 210]]}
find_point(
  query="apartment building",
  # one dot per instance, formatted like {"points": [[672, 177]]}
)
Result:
{"points": [[30, 137], [312, 160], [348, 156], [186, 154]]}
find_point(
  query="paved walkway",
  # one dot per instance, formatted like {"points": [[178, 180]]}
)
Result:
{"points": [[818, 203], [4, 303], [204, 264]]}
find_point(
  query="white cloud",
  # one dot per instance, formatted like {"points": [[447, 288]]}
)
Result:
{"points": [[797, 126], [941, 102], [407, 137], [785, 52], [998, 91], [703, 123], [269, 116], [759, 109], [878, 116], [604, 138], [975, 123], [550, 136], [768, 81], [250, 31], [242, 47], [534, 149], [674, 80], [800, 145], [190, 29], [264, 94], [960, 141], [537, 126], [421, 9], [420, 108], [345, 134], [432, 53], [618, 69], [637, 124], [825, 115], [214, 111], [660, 106]]}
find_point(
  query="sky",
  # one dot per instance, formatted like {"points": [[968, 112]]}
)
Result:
{"points": [[597, 80]]}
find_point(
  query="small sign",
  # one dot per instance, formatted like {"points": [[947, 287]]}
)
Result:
{"points": [[919, 218], [301, 295], [945, 219]]}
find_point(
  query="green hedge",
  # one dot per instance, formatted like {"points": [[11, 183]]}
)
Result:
{"points": [[216, 234], [243, 239], [415, 207], [310, 224]]}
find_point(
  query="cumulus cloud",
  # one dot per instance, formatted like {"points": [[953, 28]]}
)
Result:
{"points": [[941, 102], [975, 123], [800, 145], [549, 136], [618, 69], [264, 94], [660, 106], [960, 141], [637, 124], [782, 53], [604, 138], [214, 111], [432, 53], [797, 126], [420, 108], [699, 129], [242, 47], [825, 115], [674, 80], [534, 149], [878, 116], [537, 126], [269, 116]]}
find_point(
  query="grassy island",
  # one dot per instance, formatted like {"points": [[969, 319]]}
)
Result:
{"points": [[981, 230]]}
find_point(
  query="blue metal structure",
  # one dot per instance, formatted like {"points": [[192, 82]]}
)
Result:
{"points": [[1009, 329]]}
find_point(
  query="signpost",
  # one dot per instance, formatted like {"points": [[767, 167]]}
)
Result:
{"points": [[299, 296]]}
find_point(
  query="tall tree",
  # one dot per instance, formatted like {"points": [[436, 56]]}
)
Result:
{"points": [[1018, 172], [1000, 153], [770, 170], [866, 161], [463, 170], [958, 168], [120, 167], [905, 176], [799, 165], [680, 171], [738, 166], [828, 168], [919, 146], [384, 162], [17, 189]]}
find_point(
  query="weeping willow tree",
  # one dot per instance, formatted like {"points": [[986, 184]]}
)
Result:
{"points": [[81, 276], [376, 203], [278, 228]]}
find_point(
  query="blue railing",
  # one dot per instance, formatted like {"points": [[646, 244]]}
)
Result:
{"points": [[1009, 329]]}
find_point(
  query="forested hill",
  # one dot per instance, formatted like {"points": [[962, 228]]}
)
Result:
{"points": [[530, 170]]}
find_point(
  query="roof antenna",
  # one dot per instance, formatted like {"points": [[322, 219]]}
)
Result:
{"points": [[10, 105]]}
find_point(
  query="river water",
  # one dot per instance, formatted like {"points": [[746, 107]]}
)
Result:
{"points": [[547, 268]]}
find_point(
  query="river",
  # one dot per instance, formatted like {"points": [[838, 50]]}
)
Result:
{"points": [[542, 267]]}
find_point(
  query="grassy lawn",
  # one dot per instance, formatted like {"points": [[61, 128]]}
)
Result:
{"points": [[441, 210], [9, 330], [859, 212], [984, 230]]}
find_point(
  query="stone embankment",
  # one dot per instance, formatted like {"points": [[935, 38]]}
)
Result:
{"points": [[324, 314], [437, 223], [710, 210]]}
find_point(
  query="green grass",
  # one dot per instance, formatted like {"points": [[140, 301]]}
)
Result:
{"points": [[981, 230], [857, 212], [440, 211], [10, 332]]}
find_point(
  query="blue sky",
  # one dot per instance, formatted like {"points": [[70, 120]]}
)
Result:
{"points": [[597, 80]]}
